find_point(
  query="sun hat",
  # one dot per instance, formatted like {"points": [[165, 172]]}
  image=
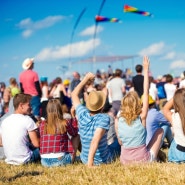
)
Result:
{"points": [[96, 100], [150, 100], [27, 63]]}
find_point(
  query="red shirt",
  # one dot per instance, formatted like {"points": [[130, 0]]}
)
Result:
{"points": [[57, 143], [28, 79]]}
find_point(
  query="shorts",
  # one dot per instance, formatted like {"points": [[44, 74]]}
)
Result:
{"points": [[174, 154], [60, 161]]}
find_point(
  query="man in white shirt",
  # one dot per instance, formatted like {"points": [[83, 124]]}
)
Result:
{"points": [[116, 88], [19, 133]]}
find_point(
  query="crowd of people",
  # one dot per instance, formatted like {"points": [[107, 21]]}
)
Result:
{"points": [[93, 120]]}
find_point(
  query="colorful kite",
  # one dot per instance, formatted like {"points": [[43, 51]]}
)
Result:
{"points": [[131, 9], [99, 18]]}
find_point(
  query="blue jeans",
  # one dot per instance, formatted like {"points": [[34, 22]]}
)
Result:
{"points": [[167, 133], [35, 155], [115, 149], [50, 162], [35, 105], [175, 155]]}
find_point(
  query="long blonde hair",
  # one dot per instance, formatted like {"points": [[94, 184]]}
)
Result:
{"points": [[55, 123], [179, 105], [131, 107]]}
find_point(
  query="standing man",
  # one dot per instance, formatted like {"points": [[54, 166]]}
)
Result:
{"points": [[29, 84], [138, 80], [19, 133], [93, 125], [116, 88], [76, 80]]}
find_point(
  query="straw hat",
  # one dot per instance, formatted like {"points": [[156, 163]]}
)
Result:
{"points": [[27, 63], [95, 101]]}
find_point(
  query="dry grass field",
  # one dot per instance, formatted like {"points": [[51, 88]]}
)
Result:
{"points": [[115, 173]]}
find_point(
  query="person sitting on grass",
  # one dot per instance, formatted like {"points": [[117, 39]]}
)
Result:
{"points": [[19, 133], [93, 125], [155, 120], [131, 126], [176, 152], [56, 148]]}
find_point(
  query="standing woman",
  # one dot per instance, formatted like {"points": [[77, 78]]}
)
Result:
{"points": [[176, 151], [131, 126], [45, 95], [58, 91], [56, 148]]}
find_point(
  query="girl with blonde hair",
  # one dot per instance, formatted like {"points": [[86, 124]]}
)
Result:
{"points": [[131, 126]]}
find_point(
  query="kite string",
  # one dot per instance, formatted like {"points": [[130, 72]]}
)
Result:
{"points": [[73, 31], [95, 30]]}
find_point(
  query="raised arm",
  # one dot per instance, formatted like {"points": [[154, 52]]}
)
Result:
{"points": [[144, 112], [79, 87]]}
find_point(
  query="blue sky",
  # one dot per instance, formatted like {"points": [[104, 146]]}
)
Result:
{"points": [[42, 29]]}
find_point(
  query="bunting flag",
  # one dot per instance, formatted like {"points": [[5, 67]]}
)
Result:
{"points": [[99, 18], [131, 9]]}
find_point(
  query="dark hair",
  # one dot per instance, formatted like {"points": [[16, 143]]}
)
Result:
{"points": [[139, 68], [21, 98], [58, 80], [118, 72], [169, 78]]}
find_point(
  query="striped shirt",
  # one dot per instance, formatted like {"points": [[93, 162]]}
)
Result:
{"points": [[87, 127]]}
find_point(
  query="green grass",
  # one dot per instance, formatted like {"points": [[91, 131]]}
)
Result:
{"points": [[115, 173]]}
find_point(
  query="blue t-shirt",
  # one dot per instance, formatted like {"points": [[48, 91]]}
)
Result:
{"points": [[87, 127], [153, 121]]}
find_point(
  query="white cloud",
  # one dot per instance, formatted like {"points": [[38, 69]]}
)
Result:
{"points": [[29, 27], [177, 64], [77, 49], [154, 49], [27, 33], [169, 56], [90, 30]]}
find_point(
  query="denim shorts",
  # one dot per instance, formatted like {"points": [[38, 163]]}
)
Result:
{"points": [[174, 154], [61, 161]]}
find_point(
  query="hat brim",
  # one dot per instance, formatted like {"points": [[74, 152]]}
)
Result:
{"points": [[26, 66], [94, 109]]}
